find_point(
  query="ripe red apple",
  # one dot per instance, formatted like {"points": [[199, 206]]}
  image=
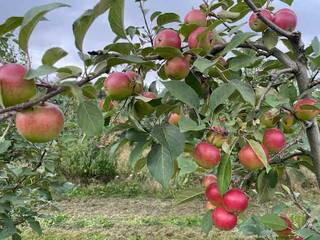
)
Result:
{"points": [[213, 195], [288, 231], [14, 88], [177, 68], [209, 206], [274, 139], [270, 118], [197, 17], [40, 124], [167, 38], [143, 108], [305, 114], [217, 136], [208, 179], [249, 159], [118, 86], [201, 38], [286, 19], [223, 219], [235, 201], [174, 118], [206, 155], [256, 24]]}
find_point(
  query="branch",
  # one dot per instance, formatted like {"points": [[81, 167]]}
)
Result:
{"points": [[145, 22]]}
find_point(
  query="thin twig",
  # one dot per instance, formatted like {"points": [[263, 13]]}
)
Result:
{"points": [[146, 22]]}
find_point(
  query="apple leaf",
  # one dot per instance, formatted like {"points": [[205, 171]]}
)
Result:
{"points": [[136, 155], [245, 90], [207, 224], [168, 52], [43, 70], [237, 40], [166, 18], [53, 55], [10, 24], [258, 149], [224, 174], [274, 222], [186, 125], [186, 164], [270, 38], [289, 2], [116, 16], [220, 95]]}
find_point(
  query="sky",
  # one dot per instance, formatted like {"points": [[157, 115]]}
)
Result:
{"points": [[57, 31]]}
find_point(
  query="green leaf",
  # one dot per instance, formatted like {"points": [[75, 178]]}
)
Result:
{"points": [[10, 24], [43, 70], [160, 164], [4, 145], [128, 59], [308, 234], [203, 64], [69, 72], [237, 40], [270, 38], [53, 55], [228, 14], [206, 223], [183, 92], [224, 174], [220, 95], [245, 90], [186, 164], [241, 61], [258, 149], [166, 18], [186, 125], [274, 222], [154, 15], [253, 226], [90, 118], [116, 15], [136, 154], [35, 225], [31, 19], [82, 24], [168, 52], [289, 2]]}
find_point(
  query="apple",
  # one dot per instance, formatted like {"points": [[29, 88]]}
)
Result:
{"points": [[213, 195], [143, 108], [256, 24], [201, 38], [287, 122], [177, 68], [206, 155], [270, 118], [174, 118], [274, 139], [136, 79], [40, 124], [209, 179], [288, 231], [305, 114], [223, 219], [249, 159], [119, 86], [235, 201], [167, 38], [286, 19], [14, 88], [197, 17], [217, 136], [101, 105]]}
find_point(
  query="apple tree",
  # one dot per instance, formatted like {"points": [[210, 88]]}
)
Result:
{"points": [[235, 103]]}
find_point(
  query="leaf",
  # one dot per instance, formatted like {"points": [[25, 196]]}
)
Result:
{"points": [[68, 72], [82, 24], [241, 61], [220, 95], [10, 24], [203, 64], [4, 145], [308, 234], [160, 164], [128, 59], [258, 149], [90, 118], [289, 2], [224, 174], [136, 154], [206, 223], [186, 125], [53, 55], [116, 16], [35, 225], [154, 15], [237, 40], [228, 14], [274, 222], [43, 70], [245, 90], [183, 92], [166, 18], [186, 164], [270, 38], [31, 19], [168, 52]]}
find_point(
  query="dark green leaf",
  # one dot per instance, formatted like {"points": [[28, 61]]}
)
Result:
{"points": [[53, 55], [237, 40], [136, 154], [246, 91], [10, 24], [186, 124], [166, 18], [224, 174], [168, 52], [274, 222], [220, 95], [207, 224], [116, 16]]}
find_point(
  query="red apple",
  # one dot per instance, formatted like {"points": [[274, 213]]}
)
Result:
{"points": [[223, 219], [177, 68], [201, 38], [270, 118], [288, 231], [213, 195], [197, 17], [235, 201], [41, 123], [217, 136], [174, 118], [14, 88], [167, 38], [286, 19], [274, 139], [256, 24], [208, 179], [206, 155], [305, 114], [249, 159], [118, 86]]}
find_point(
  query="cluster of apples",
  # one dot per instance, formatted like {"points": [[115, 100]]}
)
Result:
{"points": [[284, 18], [225, 207], [38, 124]]}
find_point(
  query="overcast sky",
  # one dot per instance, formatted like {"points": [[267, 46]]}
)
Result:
{"points": [[57, 32]]}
